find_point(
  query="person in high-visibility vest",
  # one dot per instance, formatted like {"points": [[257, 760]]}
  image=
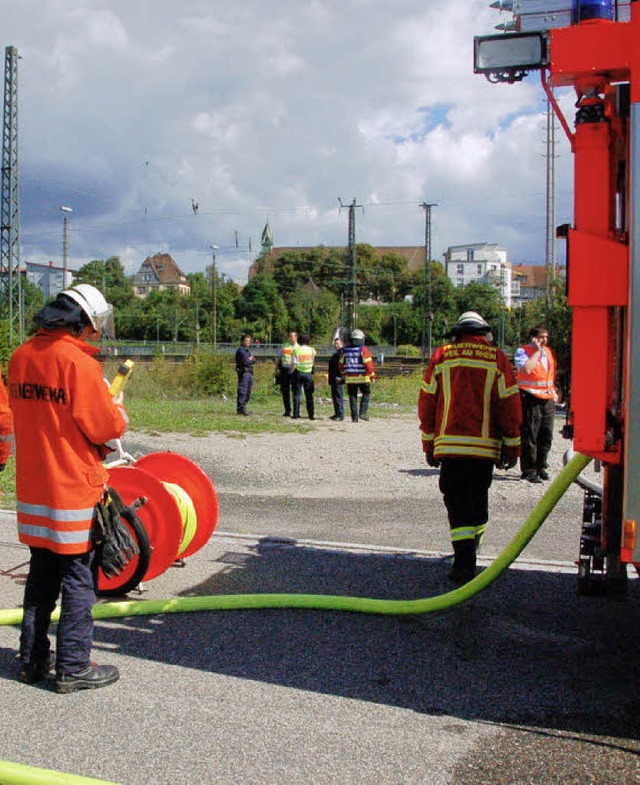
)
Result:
{"points": [[63, 416], [303, 359], [6, 426], [356, 366], [536, 367], [284, 371]]}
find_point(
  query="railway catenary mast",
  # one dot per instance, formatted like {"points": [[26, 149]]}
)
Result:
{"points": [[592, 46], [10, 282]]}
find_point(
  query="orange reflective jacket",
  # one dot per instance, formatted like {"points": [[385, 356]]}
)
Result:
{"points": [[541, 381], [6, 424], [63, 414]]}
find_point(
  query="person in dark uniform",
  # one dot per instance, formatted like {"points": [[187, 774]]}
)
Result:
{"points": [[336, 380], [244, 368]]}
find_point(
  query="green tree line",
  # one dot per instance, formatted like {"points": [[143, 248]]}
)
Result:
{"points": [[306, 290]]}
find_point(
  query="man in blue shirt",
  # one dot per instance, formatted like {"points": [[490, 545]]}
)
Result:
{"points": [[244, 368]]}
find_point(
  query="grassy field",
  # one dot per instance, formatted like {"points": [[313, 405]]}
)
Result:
{"points": [[163, 400]]}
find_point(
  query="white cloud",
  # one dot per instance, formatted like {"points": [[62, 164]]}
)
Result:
{"points": [[257, 110]]}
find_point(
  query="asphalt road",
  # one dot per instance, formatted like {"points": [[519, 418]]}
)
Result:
{"points": [[526, 683]]}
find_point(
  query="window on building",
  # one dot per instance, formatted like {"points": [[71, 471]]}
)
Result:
{"points": [[478, 269], [460, 269], [460, 282]]}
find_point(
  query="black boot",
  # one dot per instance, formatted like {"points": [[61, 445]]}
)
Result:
{"points": [[464, 562], [91, 678]]}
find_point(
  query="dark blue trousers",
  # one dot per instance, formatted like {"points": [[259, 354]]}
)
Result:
{"points": [[337, 399], [50, 574], [303, 381], [286, 379], [245, 383]]}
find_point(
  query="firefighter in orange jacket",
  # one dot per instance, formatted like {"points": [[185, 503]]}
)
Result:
{"points": [[470, 415], [63, 416]]}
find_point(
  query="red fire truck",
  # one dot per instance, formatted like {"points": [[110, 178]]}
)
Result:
{"points": [[594, 47]]}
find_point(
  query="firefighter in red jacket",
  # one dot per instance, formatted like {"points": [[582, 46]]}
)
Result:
{"points": [[63, 416], [469, 410], [357, 368]]}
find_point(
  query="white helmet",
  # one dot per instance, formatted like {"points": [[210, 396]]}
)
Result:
{"points": [[470, 322], [93, 303], [357, 336]]}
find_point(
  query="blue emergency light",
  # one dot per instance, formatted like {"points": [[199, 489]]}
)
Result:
{"points": [[593, 9]]}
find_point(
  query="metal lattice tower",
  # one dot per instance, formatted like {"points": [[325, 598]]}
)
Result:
{"points": [[10, 280]]}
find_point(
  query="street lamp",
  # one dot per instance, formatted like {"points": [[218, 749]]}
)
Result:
{"points": [[65, 243], [214, 287]]}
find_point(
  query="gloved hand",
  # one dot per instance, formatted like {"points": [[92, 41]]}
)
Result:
{"points": [[506, 460], [115, 545], [431, 459]]}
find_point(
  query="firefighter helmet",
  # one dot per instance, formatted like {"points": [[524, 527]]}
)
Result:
{"points": [[470, 322], [93, 303], [357, 337]]}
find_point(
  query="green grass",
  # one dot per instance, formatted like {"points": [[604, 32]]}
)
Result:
{"points": [[157, 407]]}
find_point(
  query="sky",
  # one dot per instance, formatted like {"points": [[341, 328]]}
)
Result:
{"points": [[170, 126]]}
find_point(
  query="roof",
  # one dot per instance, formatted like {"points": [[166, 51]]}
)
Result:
{"points": [[165, 270]]}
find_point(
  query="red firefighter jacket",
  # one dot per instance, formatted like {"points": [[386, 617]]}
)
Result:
{"points": [[469, 404], [6, 424], [63, 414]]}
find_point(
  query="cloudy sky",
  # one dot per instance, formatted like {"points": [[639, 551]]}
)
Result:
{"points": [[131, 111]]}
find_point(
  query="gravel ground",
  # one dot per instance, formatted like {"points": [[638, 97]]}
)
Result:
{"points": [[364, 483]]}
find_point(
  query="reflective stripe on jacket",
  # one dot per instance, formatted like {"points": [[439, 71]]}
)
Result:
{"points": [[469, 404], [541, 381], [286, 353], [6, 424], [357, 365], [303, 358], [63, 414]]}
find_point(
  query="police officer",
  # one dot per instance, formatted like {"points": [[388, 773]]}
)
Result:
{"points": [[336, 380], [284, 371], [303, 360], [63, 416], [244, 368]]}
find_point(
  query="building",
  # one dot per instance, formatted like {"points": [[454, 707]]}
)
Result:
{"points": [[160, 273], [530, 282], [482, 262], [48, 278]]}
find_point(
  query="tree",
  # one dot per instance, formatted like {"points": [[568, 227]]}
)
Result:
{"points": [[261, 308]]}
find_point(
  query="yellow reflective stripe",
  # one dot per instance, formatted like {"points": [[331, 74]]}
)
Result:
{"points": [[442, 451], [470, 440], [486, 406], [468, 362], [446, 392], [513, 441], [463, 533], [503, 390], [431, 387], [428, 437]]}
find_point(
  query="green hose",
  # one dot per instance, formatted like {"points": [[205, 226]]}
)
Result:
{"points": [[15, 774], [535, 520]]}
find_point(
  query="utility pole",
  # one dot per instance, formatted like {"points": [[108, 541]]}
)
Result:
{"points": [[65, 246], [427, 315], [214, 296], [352, 313], [10, 279]]}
